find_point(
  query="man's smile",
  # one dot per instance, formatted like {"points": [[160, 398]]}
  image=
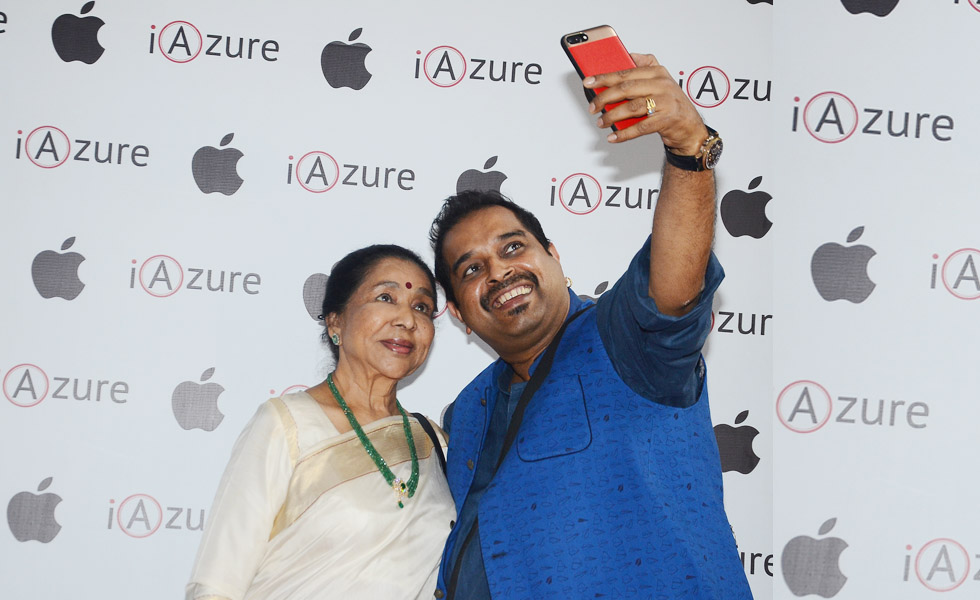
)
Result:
{"points": [[510, 295], [509, 291]]}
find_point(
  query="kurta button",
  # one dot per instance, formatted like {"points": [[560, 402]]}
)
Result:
{"points": [[483, 401], [439, 593], [469, 464]]}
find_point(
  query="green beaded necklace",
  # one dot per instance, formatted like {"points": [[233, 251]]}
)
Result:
{"points": [[401, 488]]}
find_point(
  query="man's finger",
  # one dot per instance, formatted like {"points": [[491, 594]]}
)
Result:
{"points": [[612, 78], [630, 83], [644, 60], [636, 107], [651, 124], [630, 89]]}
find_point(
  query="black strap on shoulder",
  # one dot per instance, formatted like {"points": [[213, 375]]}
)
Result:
{"points": [[436, 444], [537, 378], [458, 567]]}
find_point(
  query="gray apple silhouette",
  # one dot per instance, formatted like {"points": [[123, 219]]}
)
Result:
{"points": [[735, 446], [745, 214], [812, 566], [473, 179], [879, 8], [841, 272], [31, 516], [343, 64], [599, 289], [313, 290], [195, 405], [77, 38], [56, 275], [216, 170]]}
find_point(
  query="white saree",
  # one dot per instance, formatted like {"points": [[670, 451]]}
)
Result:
{"points": [[302, 512]]}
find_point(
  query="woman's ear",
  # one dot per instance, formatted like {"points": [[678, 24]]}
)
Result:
{"points": [[455, 313], [333, 325]]}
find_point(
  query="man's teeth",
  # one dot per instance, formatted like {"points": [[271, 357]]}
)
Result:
{"points": [[521, 291]]}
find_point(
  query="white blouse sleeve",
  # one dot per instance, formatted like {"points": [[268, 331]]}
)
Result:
{"points": [[249, 496]]}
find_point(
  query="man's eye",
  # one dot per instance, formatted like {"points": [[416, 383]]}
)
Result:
{"points": [[513, 246], [470, 270]]}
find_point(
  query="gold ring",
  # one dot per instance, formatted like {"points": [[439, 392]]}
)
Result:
{"points": [[651, 106]]}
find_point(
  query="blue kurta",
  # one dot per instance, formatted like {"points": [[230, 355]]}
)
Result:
{"points": [[613, 487]]}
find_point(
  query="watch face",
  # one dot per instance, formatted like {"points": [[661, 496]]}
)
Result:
{"points": [[713, 155]]}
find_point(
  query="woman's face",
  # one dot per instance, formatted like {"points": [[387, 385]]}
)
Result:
{"points": [[386, 328]]}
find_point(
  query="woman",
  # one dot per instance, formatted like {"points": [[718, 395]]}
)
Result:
{"points": [[334, 492]]}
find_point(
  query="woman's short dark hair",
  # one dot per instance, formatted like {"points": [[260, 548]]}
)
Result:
{"points": [[349, 273], [456, 208]]}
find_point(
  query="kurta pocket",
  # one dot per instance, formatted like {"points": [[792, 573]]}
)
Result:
{"points": [[556, 422]]}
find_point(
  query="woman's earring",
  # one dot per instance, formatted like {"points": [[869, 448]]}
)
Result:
{"points": [[335, 339]]}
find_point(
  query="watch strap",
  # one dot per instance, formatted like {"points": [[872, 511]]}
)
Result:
{"points": [[696, 162]]}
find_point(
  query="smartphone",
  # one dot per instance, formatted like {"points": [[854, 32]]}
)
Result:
{"points": [[595, 51]]}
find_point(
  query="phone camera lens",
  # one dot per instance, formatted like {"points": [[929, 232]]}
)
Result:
{"points": [[578, 38]]}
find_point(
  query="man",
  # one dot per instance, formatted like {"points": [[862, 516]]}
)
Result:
{"points": [[609, 482]]}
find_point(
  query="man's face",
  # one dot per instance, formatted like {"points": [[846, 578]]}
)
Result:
{"points": [[508, 288]]}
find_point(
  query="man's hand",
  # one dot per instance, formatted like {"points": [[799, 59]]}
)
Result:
{"points": [[675, 117], [683, 223]]}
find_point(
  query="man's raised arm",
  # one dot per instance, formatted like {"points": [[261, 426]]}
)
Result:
{"points": [[683, 222]]}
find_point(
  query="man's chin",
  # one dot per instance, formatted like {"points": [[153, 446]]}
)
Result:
{"points": [[518, 321], [519, 316], [517, 310]]}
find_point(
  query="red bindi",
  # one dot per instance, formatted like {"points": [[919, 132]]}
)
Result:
{"points": [[408, 284]]}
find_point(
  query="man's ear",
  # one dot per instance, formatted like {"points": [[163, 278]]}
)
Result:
{"points": [[455, 313], [554, 252]]}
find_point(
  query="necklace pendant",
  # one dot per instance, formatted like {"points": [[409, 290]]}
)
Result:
{"points": [[400, 489]]}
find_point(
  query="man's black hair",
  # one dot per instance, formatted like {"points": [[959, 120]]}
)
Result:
{"points": [[458, 207]]}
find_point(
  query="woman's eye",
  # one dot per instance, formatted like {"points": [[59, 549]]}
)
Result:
{"points": [[384, 297], [423, 308]]}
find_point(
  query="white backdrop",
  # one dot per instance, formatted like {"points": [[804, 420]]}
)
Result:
{"points": [[898, 486], [184, 288]]}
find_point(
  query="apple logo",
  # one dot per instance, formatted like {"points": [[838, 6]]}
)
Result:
{"points": [[598, 292], [31, 516], [216, 170], [196, 404], [841, 272], [77, 38], [313, 292], [744, 213], [479, 181], [343, 64], [879, 8], [735, 446], [812, 566], [56, 274]]}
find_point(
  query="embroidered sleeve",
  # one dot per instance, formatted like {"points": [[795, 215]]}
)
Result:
{"points": [[657, 355]]}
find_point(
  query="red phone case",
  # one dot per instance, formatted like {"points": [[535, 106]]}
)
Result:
{"points": [[593, 57]]}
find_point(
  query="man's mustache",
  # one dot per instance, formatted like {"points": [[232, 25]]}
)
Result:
{"points": [[495, 290]]}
